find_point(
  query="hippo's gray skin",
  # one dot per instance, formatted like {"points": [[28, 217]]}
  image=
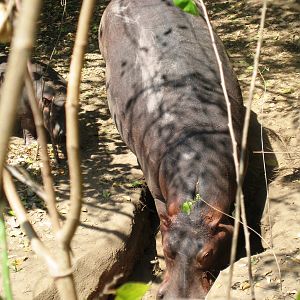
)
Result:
{"points": [[50, 89], [165, 96]]}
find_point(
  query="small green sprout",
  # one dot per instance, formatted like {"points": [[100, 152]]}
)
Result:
{"points": [[106, 194], [188, 204], [188, 6], [136, 184], [187, 207]]}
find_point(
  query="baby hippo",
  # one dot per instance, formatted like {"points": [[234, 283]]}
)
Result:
{"points": [[50, 89]]}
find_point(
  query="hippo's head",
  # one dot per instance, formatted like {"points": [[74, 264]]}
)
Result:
{"points": [[196, 247], [52, 105]]}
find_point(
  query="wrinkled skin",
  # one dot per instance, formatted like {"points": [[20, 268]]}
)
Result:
{"points": [[165, 97], [50, 89]]}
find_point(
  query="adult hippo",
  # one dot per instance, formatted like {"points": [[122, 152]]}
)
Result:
{"points": [[50, 89], [165, 97]]}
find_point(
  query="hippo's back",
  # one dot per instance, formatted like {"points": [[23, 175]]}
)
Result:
{"points": [[163, 84]]}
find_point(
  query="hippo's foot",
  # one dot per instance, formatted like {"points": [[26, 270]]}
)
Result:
{"points": [[28, 137]]}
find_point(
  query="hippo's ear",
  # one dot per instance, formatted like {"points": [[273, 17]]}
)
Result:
{"points": [[220, 224], [214, 224]]}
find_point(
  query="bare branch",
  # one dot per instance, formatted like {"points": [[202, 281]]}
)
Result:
{"points": [[239, 167], [11, 88], [45, 169], [252, 87], [72, 107], [247, 243], [223, 84], [274, 152], [265, 169], [62, 273], [21, 47], [244, 149], [21, 175], [5, 25], [17, 206]]}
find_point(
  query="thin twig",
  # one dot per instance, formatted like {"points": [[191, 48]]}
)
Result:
{"points": [[264, 164], [223, 84], [72, 107], [46, 170], [66, 233], [64, 4], [273, 152], [54, 146], [16, 204], [24, 177], [239, 176], [255, 232], [247, 243], [244, 145]]}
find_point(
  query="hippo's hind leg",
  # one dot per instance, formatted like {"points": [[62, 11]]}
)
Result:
{"points": [[29, 131]]}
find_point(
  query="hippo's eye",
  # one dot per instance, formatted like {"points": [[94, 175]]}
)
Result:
{"points": [[205, 258], [208, 254]]}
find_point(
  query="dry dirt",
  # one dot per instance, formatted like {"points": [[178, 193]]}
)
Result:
{"points": [[110, 172]]}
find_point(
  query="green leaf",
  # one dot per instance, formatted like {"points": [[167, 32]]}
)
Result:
{"points": [[188, 6], [136, 183], [187, 207], [106, 194], [131, 291], [298, 296]]}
